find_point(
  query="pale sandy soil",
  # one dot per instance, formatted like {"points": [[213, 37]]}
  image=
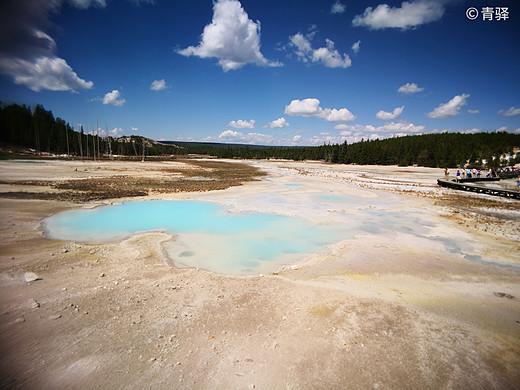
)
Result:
{"points": [[396, 306]]}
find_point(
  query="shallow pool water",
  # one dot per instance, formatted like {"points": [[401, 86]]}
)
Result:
{"points": [[208, 236], [335, 198]]}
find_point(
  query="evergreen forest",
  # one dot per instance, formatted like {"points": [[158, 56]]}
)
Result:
{"points": [[37, 129]]}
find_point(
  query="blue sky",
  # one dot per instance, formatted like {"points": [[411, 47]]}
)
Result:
{"points": [[265, 72]]}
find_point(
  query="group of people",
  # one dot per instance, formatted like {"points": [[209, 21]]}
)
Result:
{"points": [[477, 173], [469, 173]]}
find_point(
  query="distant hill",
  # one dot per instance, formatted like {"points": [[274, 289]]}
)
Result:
{"points": [[191, 145], [38, 132], [224, 150]]}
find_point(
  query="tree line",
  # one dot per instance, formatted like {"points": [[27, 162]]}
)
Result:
{"points": [[429, 150], [37, 129]]}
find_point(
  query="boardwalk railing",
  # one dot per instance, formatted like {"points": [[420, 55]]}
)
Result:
{"points": [[463, 185]]}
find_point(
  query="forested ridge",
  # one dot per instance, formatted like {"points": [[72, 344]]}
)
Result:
{"points": [[38, 130]]}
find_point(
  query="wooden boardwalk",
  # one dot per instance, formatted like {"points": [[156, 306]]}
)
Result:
{"points": [[471, 185]]}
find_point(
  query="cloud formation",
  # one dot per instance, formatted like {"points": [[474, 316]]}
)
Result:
{"points": [[278, 123], [328, 55], [247, 138], [451, 108], [410, 15], [401, 127], [410, 88], [114, 98], [116, 132], [242, 124], [311, 108], [254, 138], [337, 8], [355, 132], [356, 47], [27, 52], [84, 4], [511, 112], [384, 115], [50, 73], [158, 85], [307, 107], [303, 46], [231, 37], [334, 115], [346, 132]]}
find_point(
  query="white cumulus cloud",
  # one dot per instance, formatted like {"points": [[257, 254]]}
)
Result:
{"points": [[246, 138], [401, 126], [242, 124], [278, 123], [410, 15], [341, 127], [334, 115], [231, 37], [346, 132], [337, 8], [114, 98], [409, 88], [158, 85], [390, 115], [302, 44], [116, 132], [451, 108], [511, 112], [390, 129], [254, 138], [310, 107], [328, 55], [51, 73], [473, 111]]}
